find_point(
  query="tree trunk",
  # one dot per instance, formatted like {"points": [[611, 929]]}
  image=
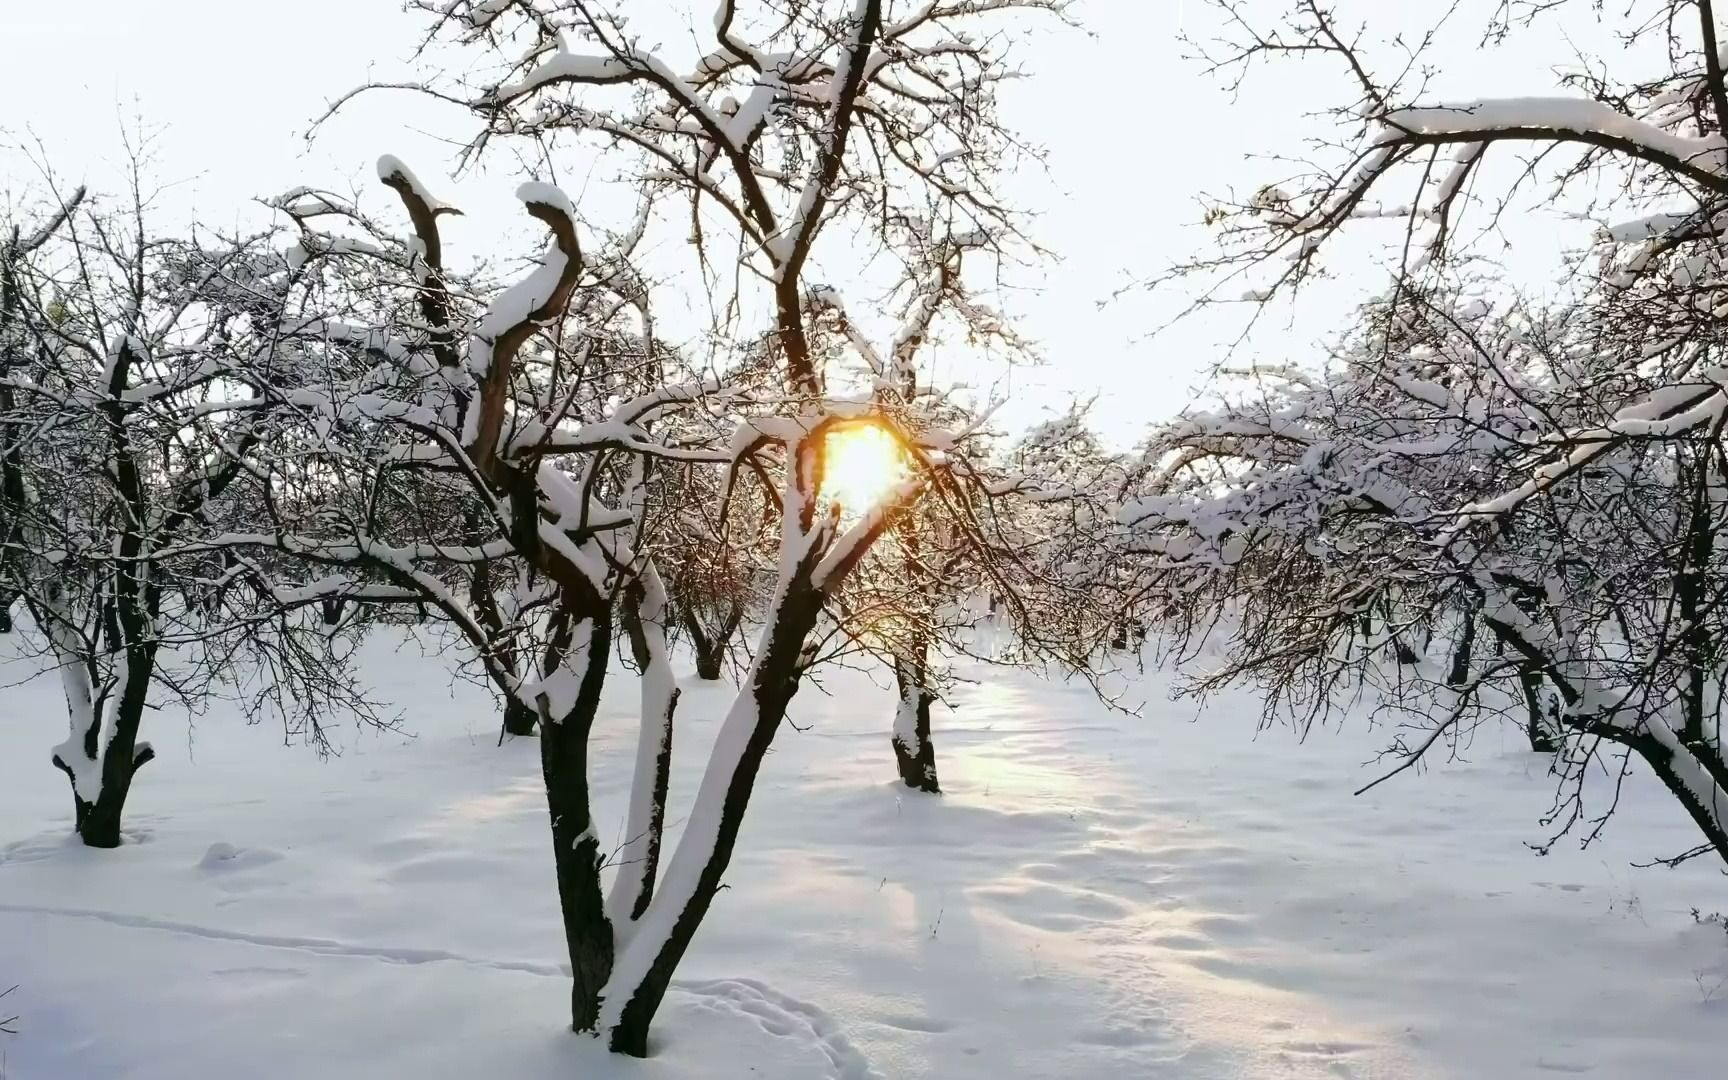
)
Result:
{"points": [[1535, 726], [98, 823], [710, 649], [575, 847], [693, 876], [645, 612], [914, 755], [84, 758], [519, 719], [707, 665], [1404, 653], [1462, 655]]}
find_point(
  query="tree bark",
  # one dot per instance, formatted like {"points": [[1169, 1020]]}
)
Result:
{"points": [[575, 847], [1662, 761], [645, 613], [707, 666], [914, 754], [710, 648], [1462, 655], [1535, 726], [519, 719], [693, 877], [97, 821]]}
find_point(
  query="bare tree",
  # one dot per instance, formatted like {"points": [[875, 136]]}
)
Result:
{"points": [[843, 116], [119, 345]]}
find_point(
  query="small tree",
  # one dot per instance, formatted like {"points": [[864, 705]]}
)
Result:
{"points": [[118, 451]]}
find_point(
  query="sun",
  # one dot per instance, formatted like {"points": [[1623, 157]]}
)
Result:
{"points": [[863, 465]]}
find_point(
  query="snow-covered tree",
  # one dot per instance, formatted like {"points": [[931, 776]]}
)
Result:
{"points": [[796, 125], [119, 348], [1544, 472]]}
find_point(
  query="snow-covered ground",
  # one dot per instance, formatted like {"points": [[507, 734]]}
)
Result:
{"points": [[1097, 895]]}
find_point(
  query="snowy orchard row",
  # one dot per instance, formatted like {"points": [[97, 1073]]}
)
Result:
{"points": [[1477, 503]]}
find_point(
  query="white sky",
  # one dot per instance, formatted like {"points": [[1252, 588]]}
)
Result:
{"points": [[1135, 134]]}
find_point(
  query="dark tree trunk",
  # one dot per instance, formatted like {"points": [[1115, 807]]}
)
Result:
{"points": [[97, 821], [575, 847], [1541, 741], [914, 754], [707, 662], [1462, 656], [710, 648], [519, 719], [774, 681]]}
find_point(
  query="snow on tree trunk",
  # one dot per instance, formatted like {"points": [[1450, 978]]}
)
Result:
{"points": [[645, 613], [1697, 777], [693, 874], [102, 751]]}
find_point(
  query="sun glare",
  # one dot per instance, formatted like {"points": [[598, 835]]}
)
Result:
{"points": [[863, 465]]}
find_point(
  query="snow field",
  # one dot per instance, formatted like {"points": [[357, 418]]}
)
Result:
{"points": [[1097, 894]]}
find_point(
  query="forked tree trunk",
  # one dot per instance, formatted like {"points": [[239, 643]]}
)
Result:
{"points": [[100, 772], [693, 874], [575, 847], [98, 822], [914, 754], [710, 647]]}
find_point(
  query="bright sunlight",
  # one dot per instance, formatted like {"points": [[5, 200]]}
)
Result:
{"points": [[864, 463]]}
